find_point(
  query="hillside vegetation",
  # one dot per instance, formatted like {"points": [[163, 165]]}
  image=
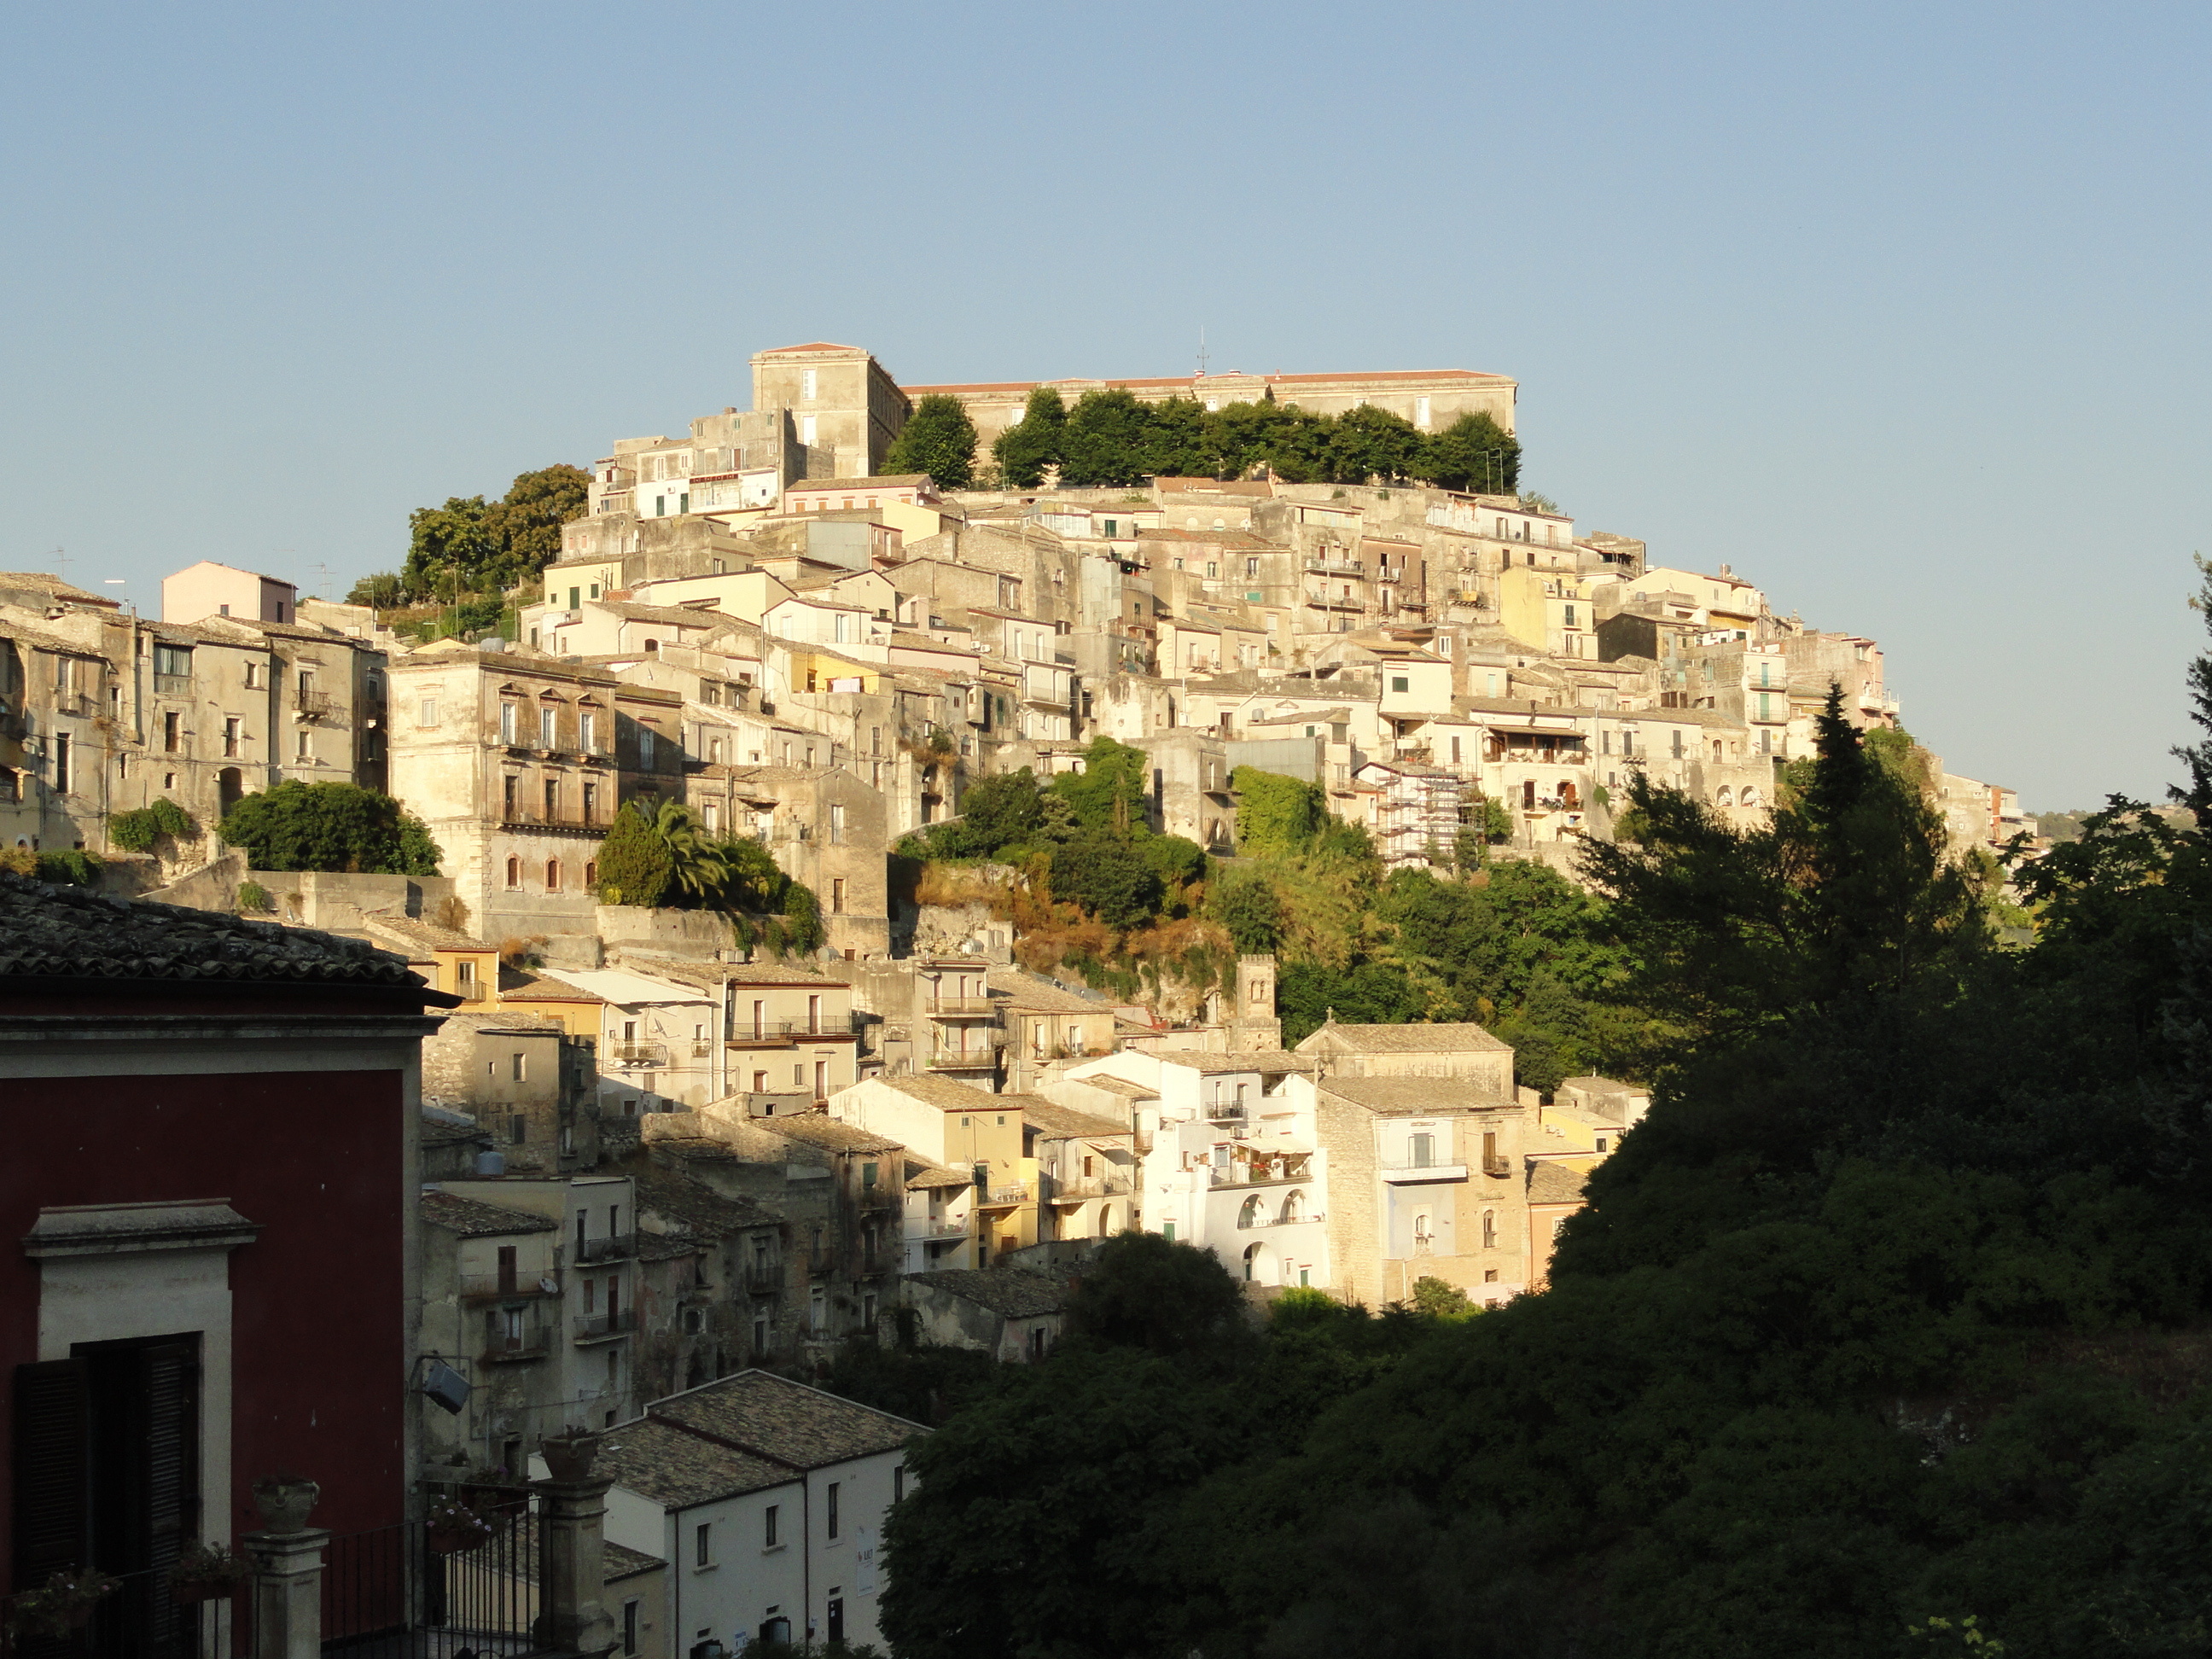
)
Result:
{"points": [[1886, 1334]]}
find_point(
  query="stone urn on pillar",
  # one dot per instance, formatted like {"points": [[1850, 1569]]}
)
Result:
{"points": [[285, 1502], [571, 1549]]}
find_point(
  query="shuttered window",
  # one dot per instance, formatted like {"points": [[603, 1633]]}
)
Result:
{"points": [[52, 1470]]}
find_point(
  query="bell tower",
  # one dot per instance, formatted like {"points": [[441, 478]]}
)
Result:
{"points": [[1253, 1025]]}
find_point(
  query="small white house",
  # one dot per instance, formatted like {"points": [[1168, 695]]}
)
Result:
{"points": [[767, 1499]]}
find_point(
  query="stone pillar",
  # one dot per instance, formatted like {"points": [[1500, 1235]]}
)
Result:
{"points": [[571, 1552], [288, 1592]]}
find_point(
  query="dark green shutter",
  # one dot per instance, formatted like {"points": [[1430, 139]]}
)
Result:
{"points": [[50, 1457]]}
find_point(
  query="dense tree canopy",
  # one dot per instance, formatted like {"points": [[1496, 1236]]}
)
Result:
{"points": [[938, 439], [1024, 450], [331, 827], [471, 547], [1887, 1325]]}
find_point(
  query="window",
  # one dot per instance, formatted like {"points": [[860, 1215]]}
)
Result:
{"points": [[646, 735], [591, 873], [552, 800], [510, 788], [61, 764], [770, 1517], [518, 1129], [300, 747], [513, 874], [587, 731], [253, 677], [837, 825], [837, 895], [832, 1516], [1489, 1230], [426, 712], [507, 722], [591, 800], [549, 720], [173, 661], [464, 981], [704, 1544], [898, 1482], [231, 735], [629, 1627], [1424, 1151], [807, 386], [552, 875], [1401, 682]]}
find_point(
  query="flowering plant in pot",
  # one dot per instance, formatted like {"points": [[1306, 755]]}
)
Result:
{"points": [[452, 1528], [208, 1572], [63, 1603]]}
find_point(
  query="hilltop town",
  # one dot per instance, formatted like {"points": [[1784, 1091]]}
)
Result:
{"points": [[661, 1144]]}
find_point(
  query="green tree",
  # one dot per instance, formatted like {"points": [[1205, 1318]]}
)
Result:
{"points": [[1107, 795], [1032, 444], [331, 827], [1178, 861], [384, 590], [1175, 1300], [1108, 878], [1179, 445], [698, 868], [1371, 443], [635, 864], [1276, 815], [1001, 810], [1473, 453], [448, 549], [1107, 439], [1440, 1299], [524, 525], [938, 439], [1247, 906]]}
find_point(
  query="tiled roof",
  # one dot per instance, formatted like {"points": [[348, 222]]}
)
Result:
{"points": [[621, 1560], [1208, 1063], [1554, 1183], [1026, 995], [471, 1218], [1118, 1086], [415, 930], [66, 933], [1009, 1293], [1412, 1096], [531, 988], [942, 1092], [695, 1206], [773, 1417], [1058, 1123], [922, 1176], [1417, 1039], [659, 1462], [817, 1129]]}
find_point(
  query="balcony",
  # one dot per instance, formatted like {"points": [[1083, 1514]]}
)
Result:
{"points": [[490, 1287], [782, 1033], [313, 705], [1274, 1172], [1402, 1173], [1497, 1168], [964, 1059], [765, 1277], [639, 1053], [1332, 567], [936, 1230], [960, 1007], [612, 1247], [1076, 1188], [504, 1350], [172, 685], [1003, 1198], [600, 1327]]}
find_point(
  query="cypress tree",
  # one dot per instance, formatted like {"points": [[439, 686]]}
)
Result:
{"points": [[636, 866]]}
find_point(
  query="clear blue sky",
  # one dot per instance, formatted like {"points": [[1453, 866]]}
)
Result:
{"points": [[1901, 310]]}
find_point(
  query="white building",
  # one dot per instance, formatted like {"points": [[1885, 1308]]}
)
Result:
{"points": [[767, 1499]]}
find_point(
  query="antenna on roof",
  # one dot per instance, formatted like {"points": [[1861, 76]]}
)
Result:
{"points": [[61, 559], [1201, 351], [323, 585]]}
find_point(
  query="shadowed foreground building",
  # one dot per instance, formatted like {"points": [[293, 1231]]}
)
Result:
{"points": [[212, 1128]]}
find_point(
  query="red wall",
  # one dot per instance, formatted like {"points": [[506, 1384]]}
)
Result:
{"points": [[319, 1363]]}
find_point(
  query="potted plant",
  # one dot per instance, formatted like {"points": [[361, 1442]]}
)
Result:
{"points": [[285, 1502], [452, 1528], [62, 1604], [208, 1572]]}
